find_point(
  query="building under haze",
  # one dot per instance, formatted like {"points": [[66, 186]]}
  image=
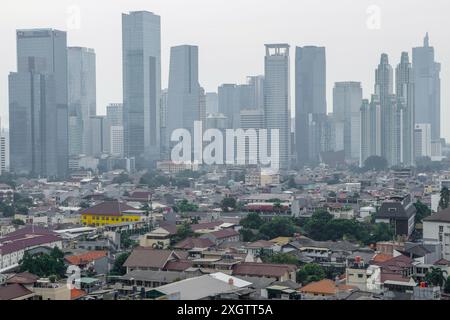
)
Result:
{"points": [[347, 100], [427, 88], [38, 104], [310, 102], [81, 97], [141, 46], [277, 104], [183, 100]]}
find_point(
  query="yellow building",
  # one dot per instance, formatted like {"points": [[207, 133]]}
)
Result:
{"points": [[109, 213]]}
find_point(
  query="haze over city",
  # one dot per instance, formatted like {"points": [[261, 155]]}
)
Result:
{"points": [[231, 35]]}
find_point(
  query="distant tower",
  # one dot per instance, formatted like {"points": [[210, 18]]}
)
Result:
{"points": [[310, 102], [141, 45], [427, 85], [277, 97], [38, 104]]}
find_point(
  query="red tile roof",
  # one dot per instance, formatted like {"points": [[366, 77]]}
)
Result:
{"points": [[206, 225], [180, 265], [325, 287], [225, 233], [76, 294], [86, 257]]}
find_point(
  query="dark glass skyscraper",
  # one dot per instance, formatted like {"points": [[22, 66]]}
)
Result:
{"points": [[38, 104]]}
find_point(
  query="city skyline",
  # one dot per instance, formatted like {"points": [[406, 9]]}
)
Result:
{"points": [[210, 79]]}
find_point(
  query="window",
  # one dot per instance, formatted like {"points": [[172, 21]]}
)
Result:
{"points": [[441, 228]]}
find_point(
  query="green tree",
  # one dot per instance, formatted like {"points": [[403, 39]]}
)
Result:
{"points": [[118, 268], [185, 206], [252, 221], [436, 277], [248, 235], [278, 227], [280, 258], [447, 285], [422, 211], [44, 265], [311, 272], [228, 203], [121, 179], [183, 232], [444, 203]]}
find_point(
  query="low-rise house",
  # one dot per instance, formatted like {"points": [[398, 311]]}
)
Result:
{"points": [[15, 292], [15, 244], [150, 259], [280, 272], [157, 239], [325, 289], [399, 212], [194, 244], [222, 236], [93, 261], [200, 288]]}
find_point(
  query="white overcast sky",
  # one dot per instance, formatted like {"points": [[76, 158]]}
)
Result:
{"points": [[231, 35]]}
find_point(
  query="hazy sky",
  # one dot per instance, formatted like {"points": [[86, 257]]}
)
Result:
{"points": [[231, 35]]}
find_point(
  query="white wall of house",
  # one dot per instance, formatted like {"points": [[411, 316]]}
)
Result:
{"points": [[438, 232]]}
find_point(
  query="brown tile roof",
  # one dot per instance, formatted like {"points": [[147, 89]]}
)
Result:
{"points": [[191, 243], [180, 265], [149, 258], [16, 242], [387, 276], [86, 257], [23, 278], [260, 244], [206, 225], [441, 216], [442, 262], [225, 233], [13, 291], [108, 208], [263, 269]]}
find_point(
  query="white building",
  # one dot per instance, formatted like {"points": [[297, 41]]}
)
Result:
{"points": [[116, 135], [422, 133], [436, 230]]}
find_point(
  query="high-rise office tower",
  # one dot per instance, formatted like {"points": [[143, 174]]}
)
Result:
{"points": [[229, 104], [257, 87], [114, 120], [422, 132], [404, 79], [252, 119], [427, 87], [212, 102], [141, 45], [4, 150], [310, 101], [82, 97], [163, 124], [277, 101], [183, 104], [370, 128], [101, 136], [384, 89], [38, 104], [347, 100]]}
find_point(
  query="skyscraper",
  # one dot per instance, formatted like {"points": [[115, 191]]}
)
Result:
{"points": [[277, 100], [427, 87], [229, 104], [141, 37], [384, 89], [370, 128], [347, 100], [212, 102], [114, 121], [183, 104], [38, 104], [82, 97], [404, 80], [310, 101]]}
